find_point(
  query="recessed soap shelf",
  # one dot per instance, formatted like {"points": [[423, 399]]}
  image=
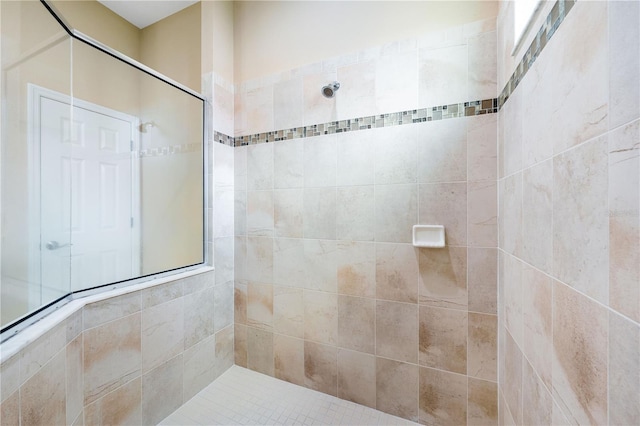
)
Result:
{"points": [[428, 236]]}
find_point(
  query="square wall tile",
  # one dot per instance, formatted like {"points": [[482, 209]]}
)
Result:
{"points": [[397, 388], [356, 323], [356, 268], [445, 204], [357, 377], [397, 330], [443, 397], [397, 272], [321, 317], [320, 161], [355, 158], [288, 164], [482, 355], [482, 402], [396, 212], [442, 151], [395, 151], [288, 358], [443, 339], [355, 219], [321, 368], [443, 277]]}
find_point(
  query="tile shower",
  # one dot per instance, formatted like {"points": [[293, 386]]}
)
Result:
{"points": [[528, 316]]}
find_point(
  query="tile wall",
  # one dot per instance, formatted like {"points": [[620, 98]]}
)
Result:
{"points": [[569, 190], [130, 359], [329, 291]]}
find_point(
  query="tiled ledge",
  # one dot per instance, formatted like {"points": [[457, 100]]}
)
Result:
{"points": [[31, 333], [442, 112]]}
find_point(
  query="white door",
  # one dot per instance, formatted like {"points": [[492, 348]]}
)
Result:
{"points": [[87, 199]]}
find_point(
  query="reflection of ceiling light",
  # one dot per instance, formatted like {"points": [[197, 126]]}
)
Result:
{"points": [[144, 127], [143, 13]]}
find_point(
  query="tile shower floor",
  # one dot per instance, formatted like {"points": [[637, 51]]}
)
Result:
{"points": [[244, 397]]}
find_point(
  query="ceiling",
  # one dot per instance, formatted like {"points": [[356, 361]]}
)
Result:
{"points": [[143, 13]]}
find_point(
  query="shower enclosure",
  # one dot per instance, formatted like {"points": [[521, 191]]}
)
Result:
{"points": [[102, 167]]}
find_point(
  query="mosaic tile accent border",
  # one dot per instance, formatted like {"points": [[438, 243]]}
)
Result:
{"points": [[442, 112], [170, 150], [559, 11]]}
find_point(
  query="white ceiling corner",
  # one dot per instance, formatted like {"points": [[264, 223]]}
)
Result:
{"points": [[143, 13]]}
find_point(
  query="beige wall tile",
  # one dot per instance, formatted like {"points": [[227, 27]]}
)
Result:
{"points": [[355, 213], [122, 406], [356, 323], [222, 306], [443, 339], [260, 306], [10, 409], [240, 345], [9, 376], [321, 317], [260, 166], [38, 353], [482, 51], [397, 272], [357, 91], [482, 214], [580, 219], [321, 368], [240, 302], [443, 397], [482, 402], [168, 378], [585, 71], [43, 396], [355, 158], [240, 270], [624, 371], [580, 335], [224, 350], [224, 252], [397, 388], [510, 214], [624, 219], [444, 204], [199, 366], [319, 219], [357, 377], [288, 164], [397, 330], [288, 357], [356, 268], [395, 162], [320, 161], [624, 62], [223, 205], [396, 82], [74, 380], [318, 109], [320, 265], [537, 219], [260, 259], [260, 213], [260, 351], [98, 313], [537, 315], [240, 168], [442, 151], [513, 378], [162, 333], [483, 346], [396, 212], [289, 262], [512, 112], [512, 275], [198, 316], [288, 103], [483, 280], [482, 135], [442, 75], [112, 356], [288, 213], [443, 277], [536, 399], [288, 311]]}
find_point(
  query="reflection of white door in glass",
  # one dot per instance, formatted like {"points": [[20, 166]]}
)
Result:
{"points": [[88, 207]]}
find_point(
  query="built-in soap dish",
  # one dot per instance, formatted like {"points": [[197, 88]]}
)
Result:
{"points": [[428, 236]]}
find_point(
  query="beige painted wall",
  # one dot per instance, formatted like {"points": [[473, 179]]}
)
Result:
{"points": [[273, 36], [172, 46], [100, 23], [217, 38]]}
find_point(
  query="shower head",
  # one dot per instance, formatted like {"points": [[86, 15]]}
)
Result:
{"points": [[330, 90]]}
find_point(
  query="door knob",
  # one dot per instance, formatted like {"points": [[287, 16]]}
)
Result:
{"points": [[54, 245]]}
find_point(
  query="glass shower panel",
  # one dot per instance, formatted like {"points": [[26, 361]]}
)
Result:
{"points": [[36, 54]]}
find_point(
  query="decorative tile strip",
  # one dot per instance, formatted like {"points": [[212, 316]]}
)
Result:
{"points": [[443, 112], [170, 150], [223, 139], [559, 11]]}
